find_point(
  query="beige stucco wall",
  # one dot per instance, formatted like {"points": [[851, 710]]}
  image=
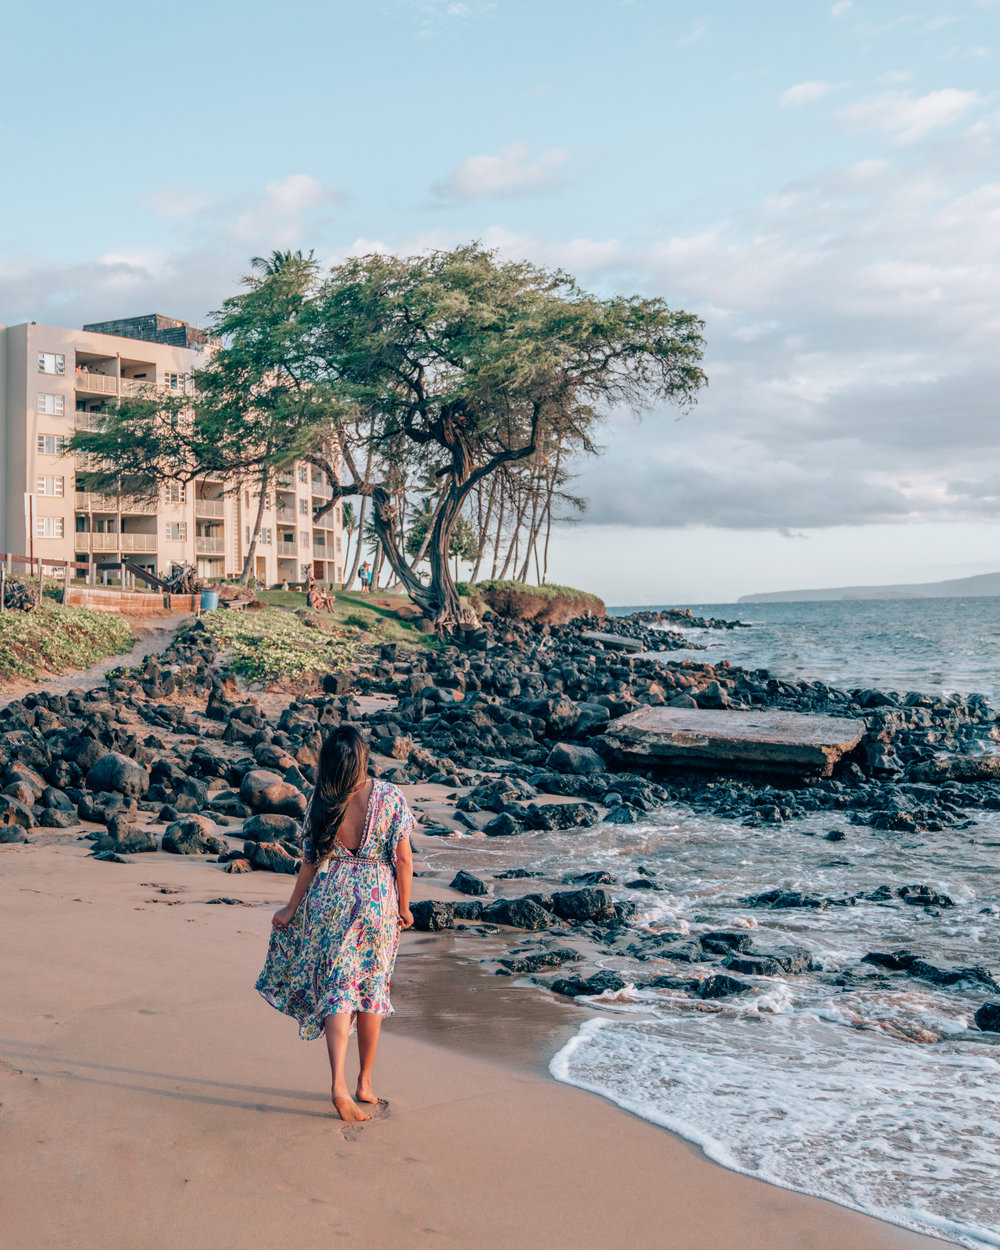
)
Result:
{"points": [[21, 423]]}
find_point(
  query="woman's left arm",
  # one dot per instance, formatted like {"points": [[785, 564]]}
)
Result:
{"points": [[282, 918], [404, 880]]}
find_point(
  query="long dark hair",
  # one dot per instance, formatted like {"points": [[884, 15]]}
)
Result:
{"points": [[342, 772]]}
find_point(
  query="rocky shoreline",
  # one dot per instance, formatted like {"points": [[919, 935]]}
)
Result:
{"points": [[509, 723]]}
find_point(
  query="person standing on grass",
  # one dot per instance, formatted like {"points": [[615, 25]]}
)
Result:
{"points": [[366, 578], [333, 946]]}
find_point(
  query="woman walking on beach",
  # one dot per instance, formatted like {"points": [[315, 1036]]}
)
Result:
{"points": [[333, 946]]}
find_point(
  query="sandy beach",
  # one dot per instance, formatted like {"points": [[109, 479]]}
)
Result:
{"points": [[151, 1099]]}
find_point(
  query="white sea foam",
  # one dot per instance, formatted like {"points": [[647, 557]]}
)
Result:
{"points": [[909, 1134]]}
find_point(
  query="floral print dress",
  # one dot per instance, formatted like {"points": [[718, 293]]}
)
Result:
{"points": [[337, 954]]}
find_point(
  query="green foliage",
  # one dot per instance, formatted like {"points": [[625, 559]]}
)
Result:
{"points": [[53, 638], [463, 542], [271, 644], [274, 644]]}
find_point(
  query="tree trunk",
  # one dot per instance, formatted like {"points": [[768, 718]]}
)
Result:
{"points": [[265, 477], [499, 537], [427, 534], [361, 523], [357, 547], [532, 531], [484, 530]]}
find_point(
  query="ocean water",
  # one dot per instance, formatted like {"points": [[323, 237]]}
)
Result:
{"points": [[883, 1096], [931, 645]]}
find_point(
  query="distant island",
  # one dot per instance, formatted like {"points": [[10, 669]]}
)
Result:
{"points": [[984, 585]]}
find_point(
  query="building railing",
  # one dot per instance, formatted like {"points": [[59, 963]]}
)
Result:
{"points": [[101, 383], [116, 542], [209, 507], [88, 501], [210, 546], [322, 488], [138, 542], [284, 481], [134, 386], [98, 542], [287, 549]]}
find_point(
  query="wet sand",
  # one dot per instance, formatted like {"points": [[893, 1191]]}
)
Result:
{"points": [[150, 1098]]}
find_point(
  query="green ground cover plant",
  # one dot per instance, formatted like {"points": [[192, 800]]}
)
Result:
{"points": [[53, 638], [272, 644]]}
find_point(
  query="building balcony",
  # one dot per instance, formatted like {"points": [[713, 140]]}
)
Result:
{"points": [[287, 549], [98, 542], [137, 542], [134, 386], [87, 501], [284, 481], [210, 546], [323, 489], [209, 507], [125, 543], [96, 383]]}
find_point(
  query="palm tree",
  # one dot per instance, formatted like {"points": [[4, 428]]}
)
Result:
{"points": [[349, 522], [278, 260]]}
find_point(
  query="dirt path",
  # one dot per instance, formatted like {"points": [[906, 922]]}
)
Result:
{"points": [[152, 634]]}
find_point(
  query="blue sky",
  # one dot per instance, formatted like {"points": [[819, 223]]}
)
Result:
{"points": [[819, 181]]}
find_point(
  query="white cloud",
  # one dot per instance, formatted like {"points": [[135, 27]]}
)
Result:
{"points": [[908, 117], [214, 239], [807, 92], [285, 214], [511, 172], [841, 8]]}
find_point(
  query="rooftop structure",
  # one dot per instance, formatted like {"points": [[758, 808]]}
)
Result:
{"points": [[152, 328]]}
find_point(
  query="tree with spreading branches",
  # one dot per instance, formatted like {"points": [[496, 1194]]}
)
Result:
{"points": [[456, 363], [478, 363]]}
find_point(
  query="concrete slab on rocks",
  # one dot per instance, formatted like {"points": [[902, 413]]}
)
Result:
{"points": [[612, 640], [734, 741]]}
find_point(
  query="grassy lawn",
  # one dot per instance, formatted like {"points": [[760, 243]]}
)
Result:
{"points": [[375, 613], [54, 638]]}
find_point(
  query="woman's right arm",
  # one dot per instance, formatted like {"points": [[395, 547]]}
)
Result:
{"points": [[282, 918]]}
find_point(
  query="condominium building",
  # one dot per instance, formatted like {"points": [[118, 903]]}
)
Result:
{"points": [[53, 380]]}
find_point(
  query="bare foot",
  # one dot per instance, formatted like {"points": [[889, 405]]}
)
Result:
{"points": [[364, 1093], [348, 1109]]}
